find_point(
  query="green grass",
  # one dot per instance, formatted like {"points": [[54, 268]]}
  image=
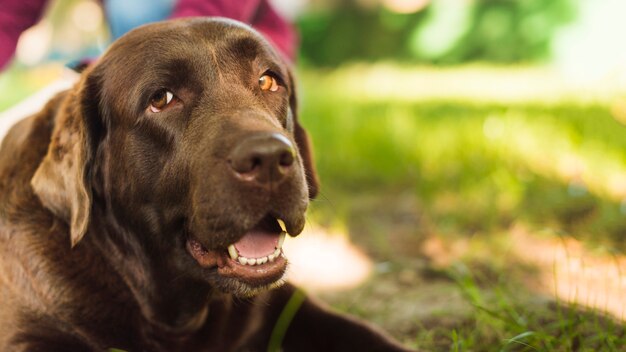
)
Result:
{"points": [[471, 178], [397, 172], [17, 82], [505, 320]]}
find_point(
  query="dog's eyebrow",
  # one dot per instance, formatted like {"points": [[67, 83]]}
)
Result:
{"points": [[245, 47], [172, 73]]}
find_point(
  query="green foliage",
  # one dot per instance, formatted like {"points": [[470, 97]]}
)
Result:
{"points": [[351, 33], [448, 32]]}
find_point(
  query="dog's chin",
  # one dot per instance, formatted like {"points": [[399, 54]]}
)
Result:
{"points": [[243, 289], [251, 264]]}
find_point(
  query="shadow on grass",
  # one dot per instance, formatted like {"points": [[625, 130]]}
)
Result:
{"points": [[483, 298]]}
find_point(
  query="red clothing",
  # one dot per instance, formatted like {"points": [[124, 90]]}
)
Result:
{"points": [[18, 15], [257, 13]]}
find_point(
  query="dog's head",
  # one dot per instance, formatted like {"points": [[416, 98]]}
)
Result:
{"points": [[183, 139]]}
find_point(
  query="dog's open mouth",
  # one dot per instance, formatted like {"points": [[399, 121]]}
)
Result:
{"points": [[256, 258]]}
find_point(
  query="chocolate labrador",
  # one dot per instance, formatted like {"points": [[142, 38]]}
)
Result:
{"points": [[145, 209]]}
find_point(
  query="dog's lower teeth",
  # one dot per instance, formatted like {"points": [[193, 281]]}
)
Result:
{"points": [[234, 254], [260, 261]]}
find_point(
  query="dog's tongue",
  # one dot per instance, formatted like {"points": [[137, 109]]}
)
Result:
{"points": [[257, 243]]}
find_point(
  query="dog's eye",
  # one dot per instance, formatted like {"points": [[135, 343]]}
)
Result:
{"points": [[160, 100], [267, 82]]}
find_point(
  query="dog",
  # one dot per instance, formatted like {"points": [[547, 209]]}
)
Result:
{"points": [[145, 208]]}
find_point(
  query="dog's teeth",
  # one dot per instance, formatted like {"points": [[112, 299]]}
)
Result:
{"points": [[168, 97], [281, 239], [233, 252], [282, 225], [260, 261]]}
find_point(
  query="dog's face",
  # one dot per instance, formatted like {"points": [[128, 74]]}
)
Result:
{"points": [[185, 137]]}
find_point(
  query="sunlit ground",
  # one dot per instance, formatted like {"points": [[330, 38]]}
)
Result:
{"points": [[573, 273], [566, 270], [471, 206], [321, 260]]}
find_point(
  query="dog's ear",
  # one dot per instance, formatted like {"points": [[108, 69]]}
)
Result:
{"points": [[303, 142], [62, 179]]}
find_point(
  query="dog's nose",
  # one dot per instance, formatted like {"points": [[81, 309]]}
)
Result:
{"points": [[263, 158]]}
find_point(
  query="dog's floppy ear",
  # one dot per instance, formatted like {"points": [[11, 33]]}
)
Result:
{"points": [[61, 181], [303, 142]]}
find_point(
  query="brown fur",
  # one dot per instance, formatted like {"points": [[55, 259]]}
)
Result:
{"points": [[98, 198]]}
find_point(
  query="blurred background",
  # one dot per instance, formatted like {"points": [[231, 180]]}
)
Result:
{"points": [[472, 155]]}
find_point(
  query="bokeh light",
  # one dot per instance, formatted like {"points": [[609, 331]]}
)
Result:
{"points": [[591, 48], [405, 6], [87, 16], [34, 43]]}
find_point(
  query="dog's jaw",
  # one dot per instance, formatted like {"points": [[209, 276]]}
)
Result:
{"points": [[251, 264]]}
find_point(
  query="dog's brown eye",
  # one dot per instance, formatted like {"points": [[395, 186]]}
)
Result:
{"points": [[160, 100], [267, 82]]}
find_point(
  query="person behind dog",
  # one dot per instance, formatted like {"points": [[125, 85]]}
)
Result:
{"points": [[123, 15]]}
